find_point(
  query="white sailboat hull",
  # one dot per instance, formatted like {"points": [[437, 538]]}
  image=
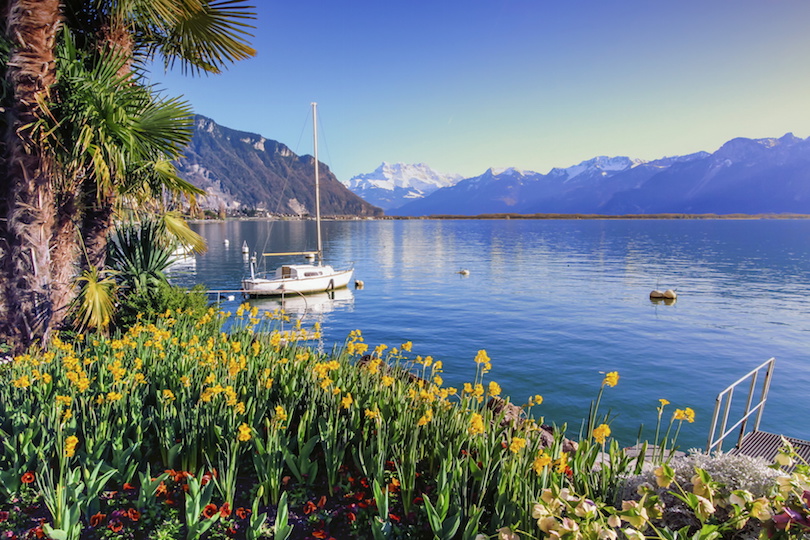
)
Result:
{"points": [[327, 281]]}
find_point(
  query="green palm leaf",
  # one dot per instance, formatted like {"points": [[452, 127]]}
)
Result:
{"points": [[95, 304]]}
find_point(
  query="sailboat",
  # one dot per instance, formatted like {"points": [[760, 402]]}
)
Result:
{"points": [[300, 278]]}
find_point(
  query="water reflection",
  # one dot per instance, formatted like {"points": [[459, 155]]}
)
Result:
{"points": [[304, 305]]}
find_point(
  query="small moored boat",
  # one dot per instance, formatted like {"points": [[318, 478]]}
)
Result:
{"points": [[300, 278]]}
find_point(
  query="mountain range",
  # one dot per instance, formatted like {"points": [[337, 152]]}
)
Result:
{"points": [[750, 176], [244, 172]]}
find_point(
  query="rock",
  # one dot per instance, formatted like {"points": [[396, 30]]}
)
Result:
{"points": [[512, 414]]}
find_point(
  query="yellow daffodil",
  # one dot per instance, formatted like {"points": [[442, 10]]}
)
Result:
{"points": [[244, 432], [476, 424], [517, 445], [346, 401], [600, 433], [611, 379], [281, 414], [70, 445], [541, 462]]}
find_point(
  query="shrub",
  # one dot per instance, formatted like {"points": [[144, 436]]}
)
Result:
{"points": [[149, 302]]}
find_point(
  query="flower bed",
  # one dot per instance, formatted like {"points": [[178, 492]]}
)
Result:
{"points": [[178, 430]]}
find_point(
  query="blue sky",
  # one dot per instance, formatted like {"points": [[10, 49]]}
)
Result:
{"points": [[533, 84]]}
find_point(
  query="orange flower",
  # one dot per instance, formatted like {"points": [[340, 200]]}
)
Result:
{"points": [[322, 501], [210, 511], [225, 510], [319, 534], [310, 507], [27, 478], [115, 525], [128, 486], [96, 519], [133, 514], [161, 490], [180, 475], [242, 513]]}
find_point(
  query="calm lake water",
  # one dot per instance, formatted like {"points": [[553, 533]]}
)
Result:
{"points": [[557, 303]]}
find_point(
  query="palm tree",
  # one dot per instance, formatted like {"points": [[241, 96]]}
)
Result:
{"points": [[61, 173], [202, 35], [29, 29]]}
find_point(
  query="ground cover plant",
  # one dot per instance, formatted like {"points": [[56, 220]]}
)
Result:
{"points": [[176, 429]]}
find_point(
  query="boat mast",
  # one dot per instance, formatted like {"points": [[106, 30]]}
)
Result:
{"points": [[317, 181]]}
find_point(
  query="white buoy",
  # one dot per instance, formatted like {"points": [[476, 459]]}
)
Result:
{"points": [[227, 242], [230, 298], [245, 248], [464, 272]]}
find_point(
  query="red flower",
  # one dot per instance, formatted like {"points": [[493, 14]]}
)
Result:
{"points": [[133, 514], [38, 532], [179, 476], [115, 525], [418, 500], [210, 511], [225, 510], [395, 517], [3, 516], [96, 519], [310, 507], [242, 513], [27, 478], [322, 501], [319, 534], [128, 486], [351, 517]]}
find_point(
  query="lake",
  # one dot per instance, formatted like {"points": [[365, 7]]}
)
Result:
{"points": [[556, 303]]}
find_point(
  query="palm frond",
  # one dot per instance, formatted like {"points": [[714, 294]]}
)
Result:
{"points": [[207, 38], [95, 304], [178, 228]]}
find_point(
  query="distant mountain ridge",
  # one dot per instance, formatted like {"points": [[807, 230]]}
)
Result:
{"points": [[750, 176], [244, 170], [393, 184]]}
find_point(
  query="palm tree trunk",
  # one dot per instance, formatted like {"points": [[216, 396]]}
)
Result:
{"points": [[31, 26], [99, 203], [96, 224], [64, 255]]}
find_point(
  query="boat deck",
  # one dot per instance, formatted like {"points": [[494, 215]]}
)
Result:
{"points": [[766, 445]]}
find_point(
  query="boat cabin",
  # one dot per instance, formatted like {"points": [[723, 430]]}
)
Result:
{"points": [[300, 271]]}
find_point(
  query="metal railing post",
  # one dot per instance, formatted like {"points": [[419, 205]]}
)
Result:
{"points": [[715, 439]]}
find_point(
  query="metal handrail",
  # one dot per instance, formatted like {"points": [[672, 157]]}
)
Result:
{"points": [[750, 408]]}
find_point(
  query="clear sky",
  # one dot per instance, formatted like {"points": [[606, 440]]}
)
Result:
{"points": [[534, 84]]}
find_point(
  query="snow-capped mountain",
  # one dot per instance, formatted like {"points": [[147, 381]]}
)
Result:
{"points": [[393, 184], [749, 176]]}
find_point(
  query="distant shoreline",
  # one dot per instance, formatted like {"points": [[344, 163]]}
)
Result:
{"points": [[517, 216], [601, 216]]}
